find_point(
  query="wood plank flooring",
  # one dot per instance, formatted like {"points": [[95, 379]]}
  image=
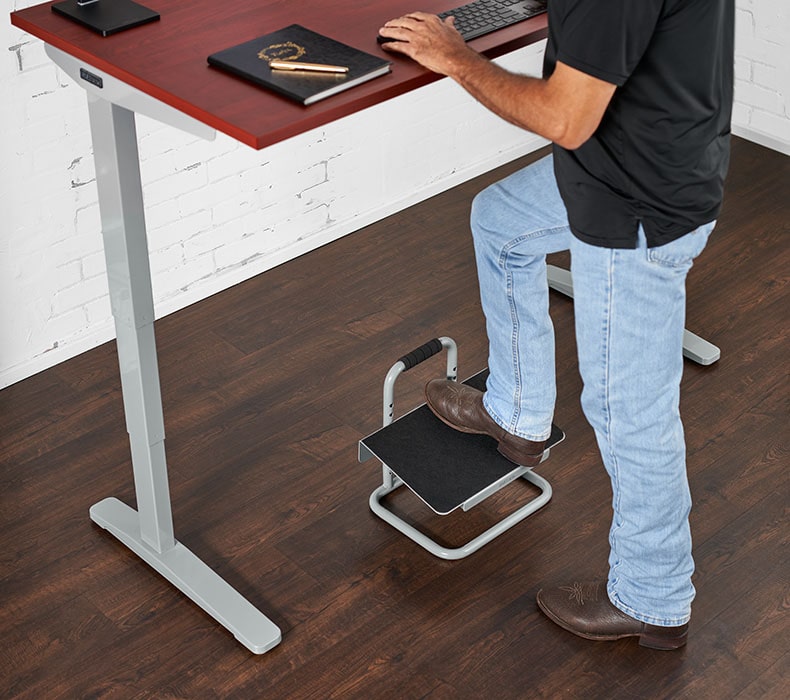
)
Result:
{"points": [[268, 386]]}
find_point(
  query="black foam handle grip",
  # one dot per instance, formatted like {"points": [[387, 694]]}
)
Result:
{"points": [[422, 353]]}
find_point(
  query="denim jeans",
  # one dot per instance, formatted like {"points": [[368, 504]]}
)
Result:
{"points": [[629, 307]]}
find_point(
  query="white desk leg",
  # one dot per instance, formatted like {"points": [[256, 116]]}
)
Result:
{"points": [[694, 347], [149, 531]]}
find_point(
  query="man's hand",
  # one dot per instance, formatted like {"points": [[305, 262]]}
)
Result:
{"points": [[566, 108], [433, 43]]}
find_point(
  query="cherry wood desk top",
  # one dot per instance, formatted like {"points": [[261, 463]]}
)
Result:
{"points": [[167, 59]]}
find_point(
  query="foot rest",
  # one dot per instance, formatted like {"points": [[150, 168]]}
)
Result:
{"points": [[445, 468]]}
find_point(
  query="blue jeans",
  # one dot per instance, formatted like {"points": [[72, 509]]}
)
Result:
{"points": [[629, 307]]}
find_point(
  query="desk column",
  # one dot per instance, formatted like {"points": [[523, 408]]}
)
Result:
{"points": [[149, 531], [129, 275]]}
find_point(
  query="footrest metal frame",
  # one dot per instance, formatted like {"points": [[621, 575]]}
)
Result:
{"points": [[452, 553], [391, 481]]}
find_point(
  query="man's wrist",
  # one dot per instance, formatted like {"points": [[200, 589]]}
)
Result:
{"points": [[466, 66]]}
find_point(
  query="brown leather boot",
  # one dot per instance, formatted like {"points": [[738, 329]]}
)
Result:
{"points": [[585, 610], [461, 407]]}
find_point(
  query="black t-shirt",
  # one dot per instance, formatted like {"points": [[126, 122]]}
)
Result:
{"points": [[661, 152]]}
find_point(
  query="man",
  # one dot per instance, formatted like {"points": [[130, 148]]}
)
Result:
{"points": [[636, 97]]}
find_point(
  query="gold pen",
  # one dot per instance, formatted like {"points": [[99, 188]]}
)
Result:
{"points": [[299, 65]]}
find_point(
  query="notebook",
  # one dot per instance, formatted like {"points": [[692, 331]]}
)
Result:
{"points": [[250, 60]]}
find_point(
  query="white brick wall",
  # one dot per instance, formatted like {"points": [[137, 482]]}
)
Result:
{"points": [[219, 212], [762, 72]]}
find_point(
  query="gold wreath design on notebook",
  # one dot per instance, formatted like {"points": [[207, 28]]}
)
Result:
{"points": [[289, 51]]}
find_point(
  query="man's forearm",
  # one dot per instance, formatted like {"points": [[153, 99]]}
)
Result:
{"points": [[519, 99], [566, 108]]}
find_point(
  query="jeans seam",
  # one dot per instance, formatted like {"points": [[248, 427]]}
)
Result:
{"points": [[503, 260], [607, 400], [514, 355]]}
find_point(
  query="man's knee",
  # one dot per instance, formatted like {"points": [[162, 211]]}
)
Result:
{"points": [[483, 209]]}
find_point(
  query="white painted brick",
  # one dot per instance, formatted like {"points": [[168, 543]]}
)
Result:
{"points": [[67, 324], [235, 206], [164, 214], [757, 48], [49, 157], [741, 113], [322, 193], [24, 239], [74, 297], [771, 124], [200, 151], [40, 81], [12, 63], [51, 180], [84, 193], [33, 54], [240, 252], [155, 137], [761, 98], [179, 230], [765, 76], [47, 228], [13, 120], [98, 311], [94, 265], [772, 22], [195, 273], [157, 167], [744, 25], [204, 243], [166, 259], [75, 246], [169, 188], [313, 175], [88, 220], [230, 163], [207, 197], [302, 226], [50, 130], [78, 130], [44, 104], [743, 68], [323, 149], [69, 274]]}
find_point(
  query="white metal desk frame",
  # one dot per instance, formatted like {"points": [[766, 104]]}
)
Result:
{"points": [[148, 532]]}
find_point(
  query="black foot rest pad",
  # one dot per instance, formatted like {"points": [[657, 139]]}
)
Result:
{"points": [[444, 467]]}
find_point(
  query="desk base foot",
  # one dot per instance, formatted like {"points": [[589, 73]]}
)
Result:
{"points": [[192, 577]]}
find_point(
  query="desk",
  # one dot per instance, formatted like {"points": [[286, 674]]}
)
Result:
{"points": [[160, 70]]}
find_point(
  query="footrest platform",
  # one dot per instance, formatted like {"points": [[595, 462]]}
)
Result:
{"points": [[445, 468]]}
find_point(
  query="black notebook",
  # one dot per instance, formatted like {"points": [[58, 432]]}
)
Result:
{"points": [[296, 43]]}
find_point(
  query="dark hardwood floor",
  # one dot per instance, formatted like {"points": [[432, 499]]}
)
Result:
{"points": [[267, 388]]}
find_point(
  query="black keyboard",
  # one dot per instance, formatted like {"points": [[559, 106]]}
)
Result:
{"points": [[486, 16]]}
